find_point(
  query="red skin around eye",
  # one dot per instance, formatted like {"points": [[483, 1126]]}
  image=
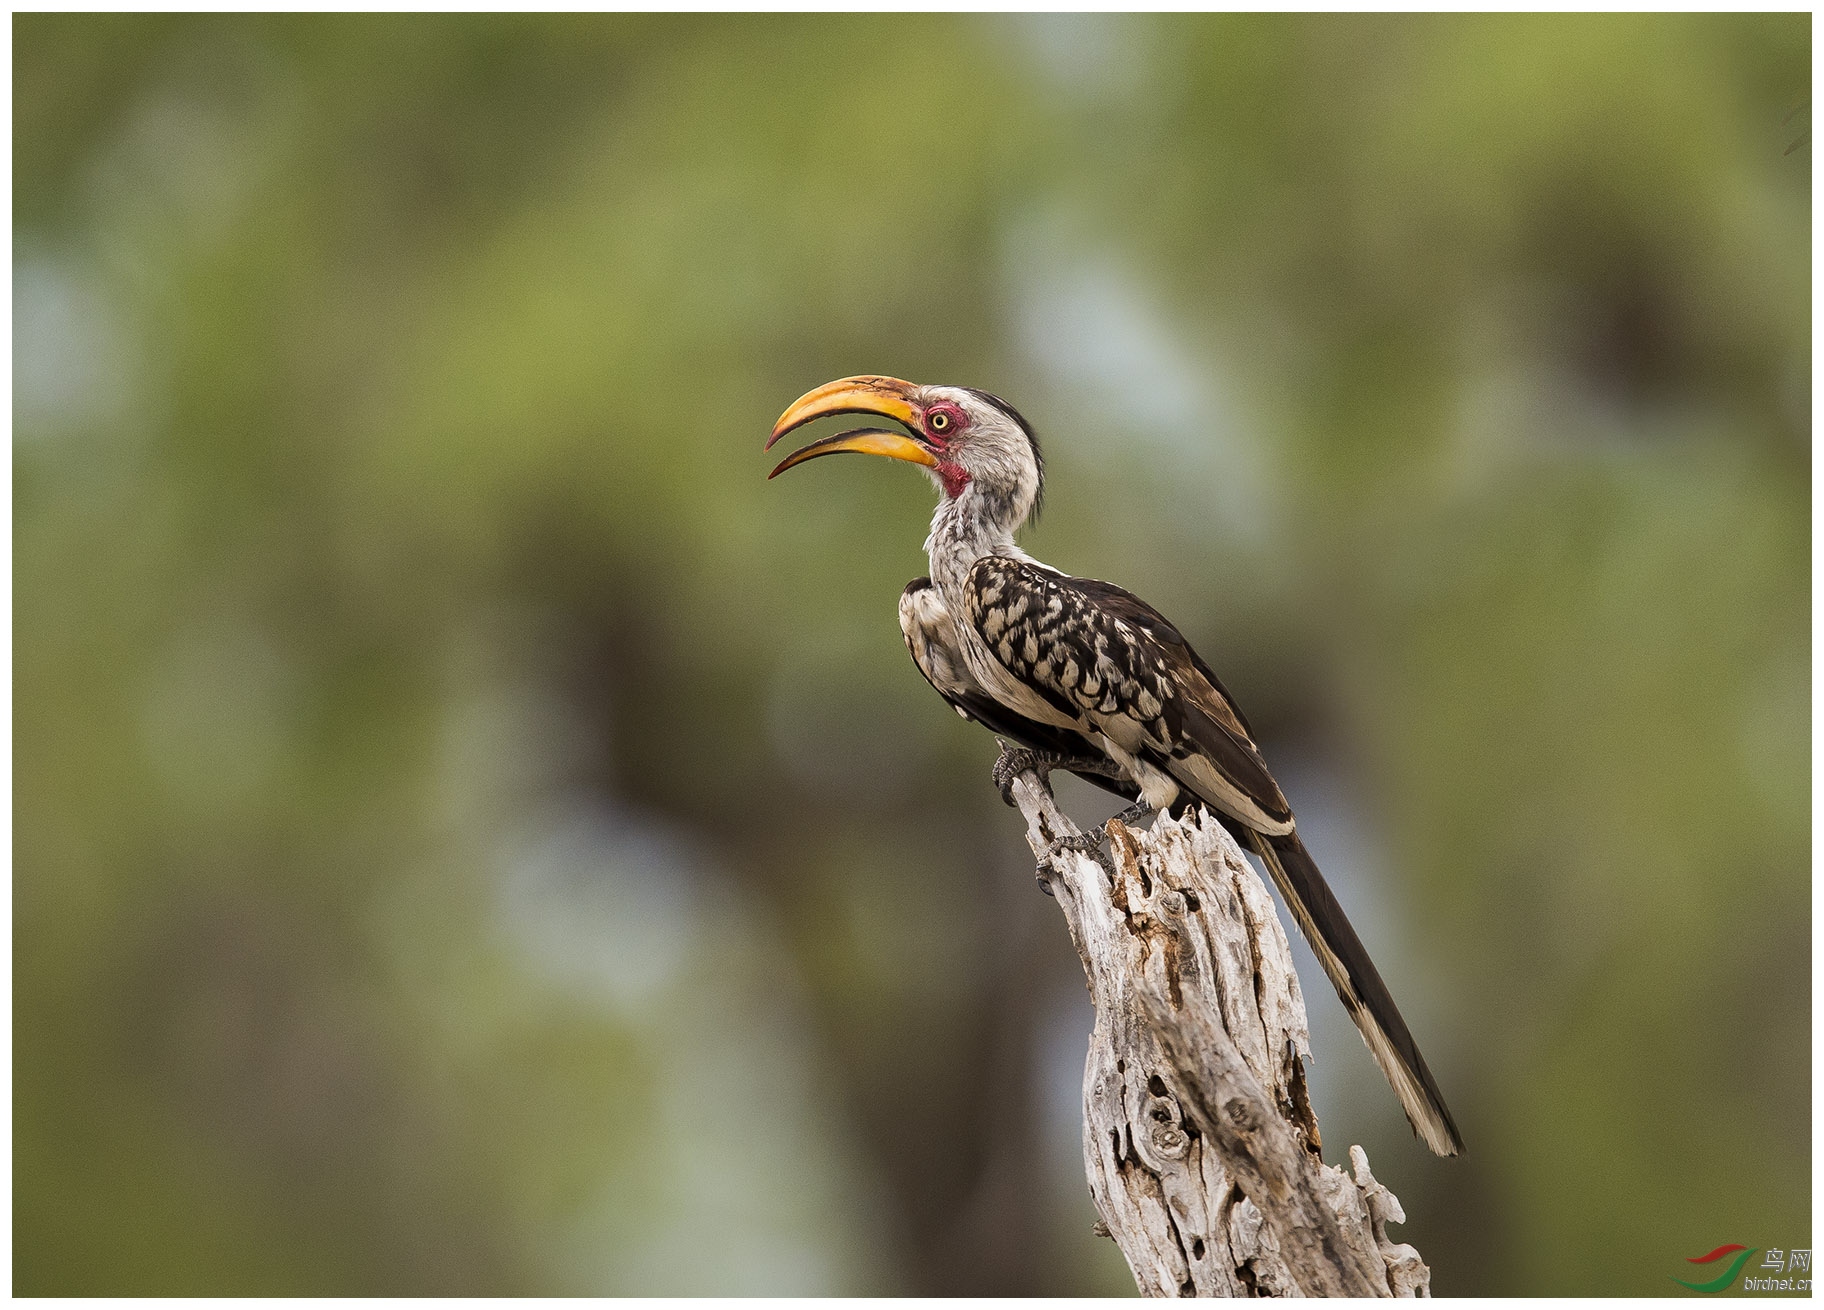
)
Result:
{"points": [[951, 474], [958, 421]]}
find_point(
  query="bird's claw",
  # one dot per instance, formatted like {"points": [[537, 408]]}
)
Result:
{"points": [[1014, 761], [1133, 814], [1084, 843]]}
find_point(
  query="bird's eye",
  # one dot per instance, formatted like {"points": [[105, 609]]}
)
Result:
{"points": [[940, 422]]}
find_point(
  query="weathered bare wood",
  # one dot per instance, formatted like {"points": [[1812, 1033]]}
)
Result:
{"points": [[1198, 1135]]}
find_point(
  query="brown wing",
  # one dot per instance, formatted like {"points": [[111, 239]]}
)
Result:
{"points": [[1107, 658]]}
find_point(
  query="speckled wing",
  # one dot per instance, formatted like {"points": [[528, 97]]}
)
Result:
{"points": [[1107, 659], [930, 633]]}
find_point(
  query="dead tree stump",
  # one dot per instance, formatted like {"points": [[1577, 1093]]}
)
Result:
{"points": [[1199, 1139]]}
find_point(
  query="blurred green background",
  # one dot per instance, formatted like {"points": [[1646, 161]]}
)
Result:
{"points": [[473, 834]]}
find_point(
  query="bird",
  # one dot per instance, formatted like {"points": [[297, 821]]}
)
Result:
{"points": [[1086, 676]]}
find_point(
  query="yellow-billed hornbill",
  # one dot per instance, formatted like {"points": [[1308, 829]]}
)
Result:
{"points": [[1089, 677]]}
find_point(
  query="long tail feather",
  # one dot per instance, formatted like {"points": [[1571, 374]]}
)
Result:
{"points": [[1359, 986]]}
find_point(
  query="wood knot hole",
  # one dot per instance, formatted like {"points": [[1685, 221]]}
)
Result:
{"points": [[1168, 1140]]}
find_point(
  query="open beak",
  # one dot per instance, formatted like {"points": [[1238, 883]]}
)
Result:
{"points": [[887, 397]]}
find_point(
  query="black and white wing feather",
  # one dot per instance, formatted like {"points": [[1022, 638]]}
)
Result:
{"points": [[1105, 658]]}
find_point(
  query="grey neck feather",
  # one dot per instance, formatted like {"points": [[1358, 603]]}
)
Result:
{"points": [[964, 529]]}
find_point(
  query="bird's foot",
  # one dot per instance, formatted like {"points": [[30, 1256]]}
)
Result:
{"points": [[1084, 843], [1014, 761], [1133, 814]]}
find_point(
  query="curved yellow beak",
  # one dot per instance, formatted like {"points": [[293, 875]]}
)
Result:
{"points": [[887, 397], [865, 441]]}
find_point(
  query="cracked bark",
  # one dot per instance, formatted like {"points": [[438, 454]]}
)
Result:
{"points": [[1198, 1136]]}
